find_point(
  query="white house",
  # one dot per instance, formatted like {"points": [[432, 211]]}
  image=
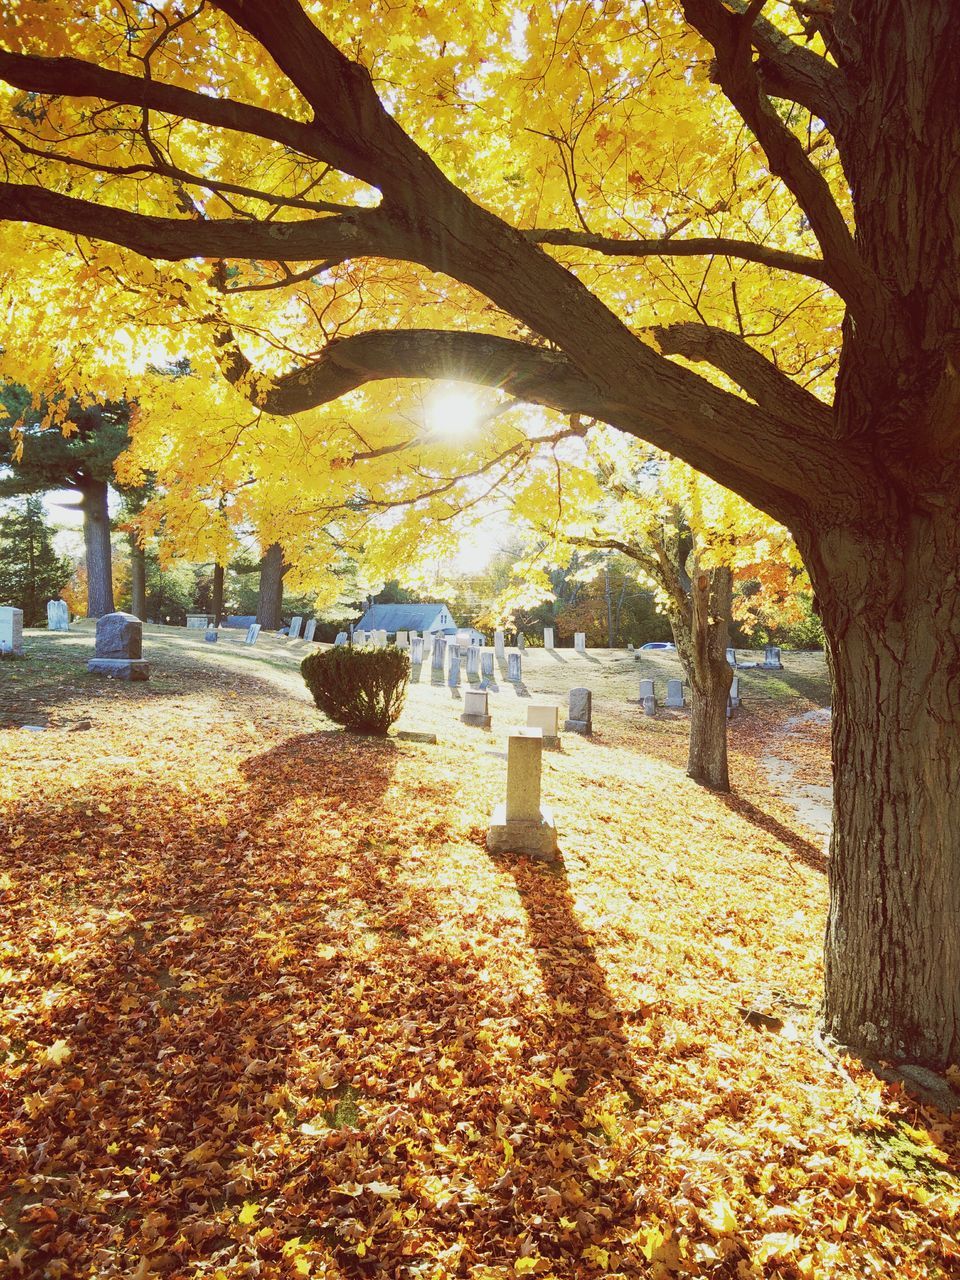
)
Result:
{"points": [[425, 619]]}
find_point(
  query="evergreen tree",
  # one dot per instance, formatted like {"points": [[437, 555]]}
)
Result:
{"points": [[31, 572]]}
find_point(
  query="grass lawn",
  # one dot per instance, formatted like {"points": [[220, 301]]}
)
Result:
{"points": [[269, 1009]]}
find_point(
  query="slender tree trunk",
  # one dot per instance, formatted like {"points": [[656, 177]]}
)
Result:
{"points": [[217, 601], [270, 606], [96, 540], [609, 598], [138, 579], [891, 611], [701, 641]]}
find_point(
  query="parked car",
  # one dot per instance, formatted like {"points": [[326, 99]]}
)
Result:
{"points": [[657, 644]]}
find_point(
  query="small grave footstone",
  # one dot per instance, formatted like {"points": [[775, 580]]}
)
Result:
{"points": [[416, 651], [119, 648], [58, 615], [498, 645], [473, 661], [646, 689], [649, 705], [581, 712], [341, 639], [409, 735], [547, 719], [476, 709], [629, 648], [310, 630], [548, 637], [295, 625], [522, 824], [580, 641], [11, 631], [513, 668], [674, 696], [211, 635], [486, 666]]}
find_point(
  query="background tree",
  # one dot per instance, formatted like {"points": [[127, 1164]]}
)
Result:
{"points": [[31, 571], [676, 186], [41, 460]]}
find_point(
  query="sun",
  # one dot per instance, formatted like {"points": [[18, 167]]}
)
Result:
{"points": [[452, 410]]}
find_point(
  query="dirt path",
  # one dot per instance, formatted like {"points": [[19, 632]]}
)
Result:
{"points": [[808, 792]]}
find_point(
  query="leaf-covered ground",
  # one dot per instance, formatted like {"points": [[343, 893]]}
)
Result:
{"points": [[271, 1010]]}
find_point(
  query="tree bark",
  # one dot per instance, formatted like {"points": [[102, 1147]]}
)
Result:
{"points": [[701, 639], [270, 605], [891, 611], [96, 541], [217, 600], [138, 579]]}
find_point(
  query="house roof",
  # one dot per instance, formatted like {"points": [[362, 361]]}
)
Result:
{"points": [[399, 617]]}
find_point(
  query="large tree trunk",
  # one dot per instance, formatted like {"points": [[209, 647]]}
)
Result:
{"points": [[701, 641], [270, 605], [216, 602], [890, 606], [138, 579], [96, 541]]}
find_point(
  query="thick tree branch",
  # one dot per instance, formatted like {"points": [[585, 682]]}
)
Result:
{"points": [[731, 36], [72, 77], [695, 247], [333, 238], [790, 71], [547, 377], [753, 372]]}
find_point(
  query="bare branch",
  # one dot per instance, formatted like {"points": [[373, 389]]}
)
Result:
{"points": [[699, 246]]}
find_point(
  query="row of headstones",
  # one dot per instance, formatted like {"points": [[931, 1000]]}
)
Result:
{"points": [[771, 659], [674, 698], [540, 715]]}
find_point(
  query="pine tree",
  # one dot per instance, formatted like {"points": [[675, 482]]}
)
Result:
{"points": [[31, 571]]}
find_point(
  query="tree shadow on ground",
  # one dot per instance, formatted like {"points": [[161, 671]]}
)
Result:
{"points": [[802, 849]]}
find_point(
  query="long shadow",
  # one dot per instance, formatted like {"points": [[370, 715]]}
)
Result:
{"points": [[803, 850]]}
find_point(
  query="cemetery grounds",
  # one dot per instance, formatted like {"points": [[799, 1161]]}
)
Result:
{"points": [[270, 1009]]}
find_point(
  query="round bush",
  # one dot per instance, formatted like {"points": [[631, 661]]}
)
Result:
{"points": [[362, 689]]}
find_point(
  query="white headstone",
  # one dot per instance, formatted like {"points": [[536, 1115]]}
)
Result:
{"points": [[402, 640], [521, 641], [295, 625], [580, 641], [58, 615], [342, 638], [513, 667], [11, 630], [380, 639], [546, 719], [498, 645], [674, 696], [649, 706], [735, 691], [732, 657], [253, 632], [771, 657], [486, 665], [548, 637], [416, 651], [453, 666], [473, 661], [476, 708], [310, 630], [196, 621], [522, 825], [581, 712], [439, 645], [646, 689]]}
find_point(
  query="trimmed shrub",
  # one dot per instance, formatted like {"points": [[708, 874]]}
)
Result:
{"points": [[362, 689]]}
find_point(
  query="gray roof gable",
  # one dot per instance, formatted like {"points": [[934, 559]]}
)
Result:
{"points": [[400, 617]]}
